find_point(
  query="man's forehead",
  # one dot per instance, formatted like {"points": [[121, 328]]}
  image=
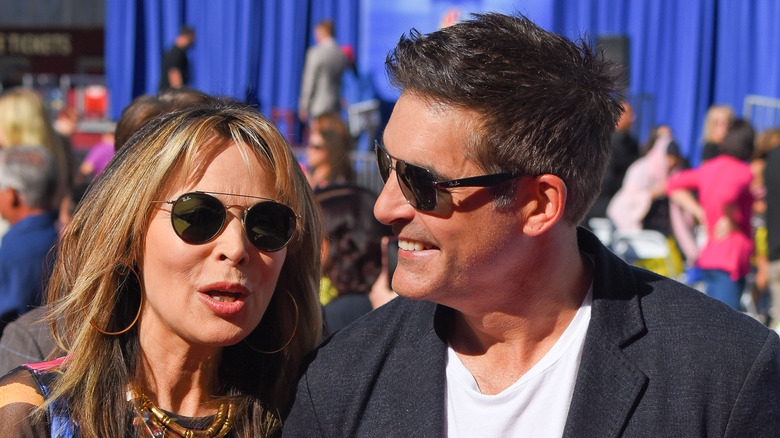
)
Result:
{"points": [[430, 114], [430, 134]]}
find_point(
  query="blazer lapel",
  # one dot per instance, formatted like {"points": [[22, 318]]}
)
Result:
{"points": [[608, 385], [420, 365]]}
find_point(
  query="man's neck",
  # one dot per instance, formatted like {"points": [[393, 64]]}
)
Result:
{"points": [[20, 214], [500, 346]]}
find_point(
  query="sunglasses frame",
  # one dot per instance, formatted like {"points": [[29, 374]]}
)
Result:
{"points": [[488, 180], [224, 219]]}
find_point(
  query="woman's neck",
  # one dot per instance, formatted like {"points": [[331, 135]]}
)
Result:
{"points": [[179, 378]]}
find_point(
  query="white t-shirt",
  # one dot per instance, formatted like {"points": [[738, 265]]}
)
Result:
{"points": [[534, 406]]}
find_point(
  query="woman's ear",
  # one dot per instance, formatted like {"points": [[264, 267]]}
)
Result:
{"points": [[545, 202]]}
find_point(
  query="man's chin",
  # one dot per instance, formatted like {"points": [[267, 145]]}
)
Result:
{"points": [[409, 286]]}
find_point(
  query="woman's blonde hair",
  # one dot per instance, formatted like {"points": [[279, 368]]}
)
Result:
{"points": [[93, 278], [24, 122], [713, 113]]}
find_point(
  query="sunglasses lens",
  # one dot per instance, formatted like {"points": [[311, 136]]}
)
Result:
{"points": [[417, 185], [382, 162], [270, 225], [197, 217]]}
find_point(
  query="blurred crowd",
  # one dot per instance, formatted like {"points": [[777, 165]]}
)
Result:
{"points": [[717, 219]]}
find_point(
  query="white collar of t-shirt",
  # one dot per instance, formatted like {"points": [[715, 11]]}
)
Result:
{"points": [[536, 405]]}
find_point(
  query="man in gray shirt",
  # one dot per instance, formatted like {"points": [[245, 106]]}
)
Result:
{"points": [[322, 70]]}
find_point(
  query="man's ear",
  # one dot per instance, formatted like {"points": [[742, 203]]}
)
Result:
{"points": [[10, 196], [15, 197], [545, 203]]}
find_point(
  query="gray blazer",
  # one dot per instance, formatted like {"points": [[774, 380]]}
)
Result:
{"points": [[321, 83], [660, 360]]}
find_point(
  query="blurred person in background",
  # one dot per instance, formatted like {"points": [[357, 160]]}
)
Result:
{"points": [[322, 70], [327, 153], [716, 124], [175, 67], [724, 207], [66, 124], [772, 197], [28, 201], [644, 184], [97, 158], [146, 107], [765, 142], [352, 253], [27, 339], [624, 151]]}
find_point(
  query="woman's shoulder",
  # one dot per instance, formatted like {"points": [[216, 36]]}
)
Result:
{"points": [[29, 383], [23, 390], [20, 395], [20, 386]]}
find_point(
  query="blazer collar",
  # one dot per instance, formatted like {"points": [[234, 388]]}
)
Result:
{"points": [[608, 384]]}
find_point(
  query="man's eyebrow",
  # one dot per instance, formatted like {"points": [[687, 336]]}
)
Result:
{"points": [[436, 175]]}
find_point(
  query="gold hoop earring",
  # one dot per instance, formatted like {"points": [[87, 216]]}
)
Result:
{"points": [[295, 328], [137, 315]]}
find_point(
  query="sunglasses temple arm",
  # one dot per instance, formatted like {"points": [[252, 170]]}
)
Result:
{"points": [[475, 181]]}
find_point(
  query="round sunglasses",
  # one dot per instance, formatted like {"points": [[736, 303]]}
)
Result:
{"points": [[418, 184], [198, 217]]}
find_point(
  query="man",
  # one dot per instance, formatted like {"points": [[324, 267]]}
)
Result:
{"points": [[321, 83], [28, 199], [625, 150], [511, 321], [175, 65]]}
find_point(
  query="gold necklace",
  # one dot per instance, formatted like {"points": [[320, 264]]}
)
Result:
{"points": [[218, 428]]}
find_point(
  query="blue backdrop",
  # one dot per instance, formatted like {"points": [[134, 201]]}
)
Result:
{"points": [[684, 55]]}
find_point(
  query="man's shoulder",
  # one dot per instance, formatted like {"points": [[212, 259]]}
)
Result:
{"points": [[326, 52], [398, 318], [636, 307], [387, 331], [31, 235], [358, 378], [698, 323]]}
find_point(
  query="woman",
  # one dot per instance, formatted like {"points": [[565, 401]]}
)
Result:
{"points": [[327, 153], [186, 288], [644, 182], [716, 124], [724, 206], [25, 122]]}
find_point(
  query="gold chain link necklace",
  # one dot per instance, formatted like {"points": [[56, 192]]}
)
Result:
{"points": [[218, 428]]}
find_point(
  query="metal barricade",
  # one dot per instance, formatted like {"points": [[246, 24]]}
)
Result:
{"points": [[763, 112]]}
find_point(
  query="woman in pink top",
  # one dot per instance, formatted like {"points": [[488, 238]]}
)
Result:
{"points": [[724, 207]]}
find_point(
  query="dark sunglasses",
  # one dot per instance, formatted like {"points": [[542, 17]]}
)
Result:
{"points": [[419, 186], [198, 217]]}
